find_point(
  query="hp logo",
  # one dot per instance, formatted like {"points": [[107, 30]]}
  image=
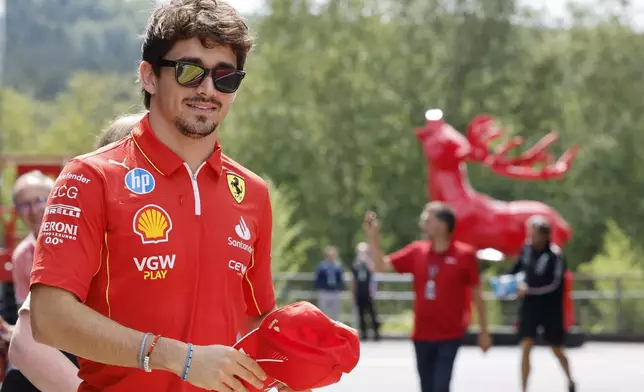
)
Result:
{"points": [[139, 181]]}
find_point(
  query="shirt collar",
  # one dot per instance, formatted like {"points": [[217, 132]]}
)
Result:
{"points": [[447, 251], [161, 157], [539, 251]]}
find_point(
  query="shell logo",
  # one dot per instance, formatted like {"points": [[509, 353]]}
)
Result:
{"points": [[152, 223]]}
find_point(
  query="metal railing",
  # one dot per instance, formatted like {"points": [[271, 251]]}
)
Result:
{"points": [[603, 304]]}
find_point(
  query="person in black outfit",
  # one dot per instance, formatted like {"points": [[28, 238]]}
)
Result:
{"points": [[541, 291], [363, 290]]}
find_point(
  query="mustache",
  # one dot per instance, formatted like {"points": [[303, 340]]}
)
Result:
{"points": [[204, 100]]}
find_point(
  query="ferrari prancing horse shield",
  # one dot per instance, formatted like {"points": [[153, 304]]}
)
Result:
{"points": [[237, 186]]}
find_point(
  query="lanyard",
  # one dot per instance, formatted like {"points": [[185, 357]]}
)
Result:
{"points": [[434, 267]]}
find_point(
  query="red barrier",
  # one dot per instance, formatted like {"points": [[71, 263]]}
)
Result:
{"points": [[51, 170]]}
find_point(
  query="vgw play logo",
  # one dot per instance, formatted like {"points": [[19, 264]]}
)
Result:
{"points": [[155, 267]]}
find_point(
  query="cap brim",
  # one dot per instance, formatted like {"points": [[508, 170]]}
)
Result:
{"points": [[249, 345]]}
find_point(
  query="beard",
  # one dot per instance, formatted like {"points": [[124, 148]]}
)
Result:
{"points": [[198, 130]]}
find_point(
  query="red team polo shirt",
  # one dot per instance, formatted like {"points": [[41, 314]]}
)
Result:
{"points": [[445, 317], [140, 239]]}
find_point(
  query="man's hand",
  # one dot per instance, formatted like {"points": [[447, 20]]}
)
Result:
{"points": [[521, 289], [218, 367], [371, 226], [485, 341], [284, 388]]}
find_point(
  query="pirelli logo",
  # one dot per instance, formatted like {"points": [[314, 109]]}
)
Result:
{"points": [[62, 209]]}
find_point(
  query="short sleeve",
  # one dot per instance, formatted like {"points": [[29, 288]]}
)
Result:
{"points": [[26, 306], [259, 293], [68, 249], [403, 260], [472, 268]]}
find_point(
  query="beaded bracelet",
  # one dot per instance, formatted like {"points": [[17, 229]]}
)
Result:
{"points": [[142, 350], [188, 361], [146, 360]]}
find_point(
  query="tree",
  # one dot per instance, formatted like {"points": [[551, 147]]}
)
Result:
{"points": [[88, 104], [620, 265], [289, 246], [48, 40]]}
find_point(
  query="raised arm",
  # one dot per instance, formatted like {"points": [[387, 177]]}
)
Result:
{"points": [[381, 262], [401, 261]]}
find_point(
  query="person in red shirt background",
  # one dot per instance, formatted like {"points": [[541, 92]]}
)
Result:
{"points": [[443, 271], [29, 196], [158, 253]]}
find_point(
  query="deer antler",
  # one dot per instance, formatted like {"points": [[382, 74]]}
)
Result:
{"points": [[482, 131]]}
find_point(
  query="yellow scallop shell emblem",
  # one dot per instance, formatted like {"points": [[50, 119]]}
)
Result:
{"points": [[152, 223]]}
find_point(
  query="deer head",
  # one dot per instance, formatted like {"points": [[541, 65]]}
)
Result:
{"points": [[443, 145]]}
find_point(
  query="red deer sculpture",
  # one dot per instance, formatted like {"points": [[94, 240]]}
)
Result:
{"points": [[482, 221]]}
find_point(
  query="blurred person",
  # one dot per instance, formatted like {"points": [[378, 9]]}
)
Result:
{"points": [[29, 196], [542, 265], [48, 369], [118, 129], [329, 283], [363, 287], [147, 205], [443, 271]]}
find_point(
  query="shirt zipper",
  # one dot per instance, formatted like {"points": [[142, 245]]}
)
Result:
{"points": [[195, 187]]}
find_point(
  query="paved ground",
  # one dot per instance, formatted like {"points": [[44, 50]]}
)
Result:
{"points": [[599, 367]]}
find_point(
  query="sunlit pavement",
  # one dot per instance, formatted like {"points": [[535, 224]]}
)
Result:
{"points": [[599, 367]]}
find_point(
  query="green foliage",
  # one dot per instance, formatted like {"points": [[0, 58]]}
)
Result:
{"points": [[69, 124], [289, 247], [620, 262], [49, 40], [87, 105], [328, 112]]}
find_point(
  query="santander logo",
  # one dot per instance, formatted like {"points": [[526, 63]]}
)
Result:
{"points": [[242, 230]]}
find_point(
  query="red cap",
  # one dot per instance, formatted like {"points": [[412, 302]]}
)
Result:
{"points": [[299, 346]]}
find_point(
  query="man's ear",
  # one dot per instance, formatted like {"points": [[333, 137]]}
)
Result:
{"points": [[147, 77]]}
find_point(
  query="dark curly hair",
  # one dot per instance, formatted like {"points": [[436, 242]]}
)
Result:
{"points": [[214, 22]]}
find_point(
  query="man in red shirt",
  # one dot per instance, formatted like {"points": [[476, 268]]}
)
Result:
{"points": [[443, 270], [158, 251]]}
